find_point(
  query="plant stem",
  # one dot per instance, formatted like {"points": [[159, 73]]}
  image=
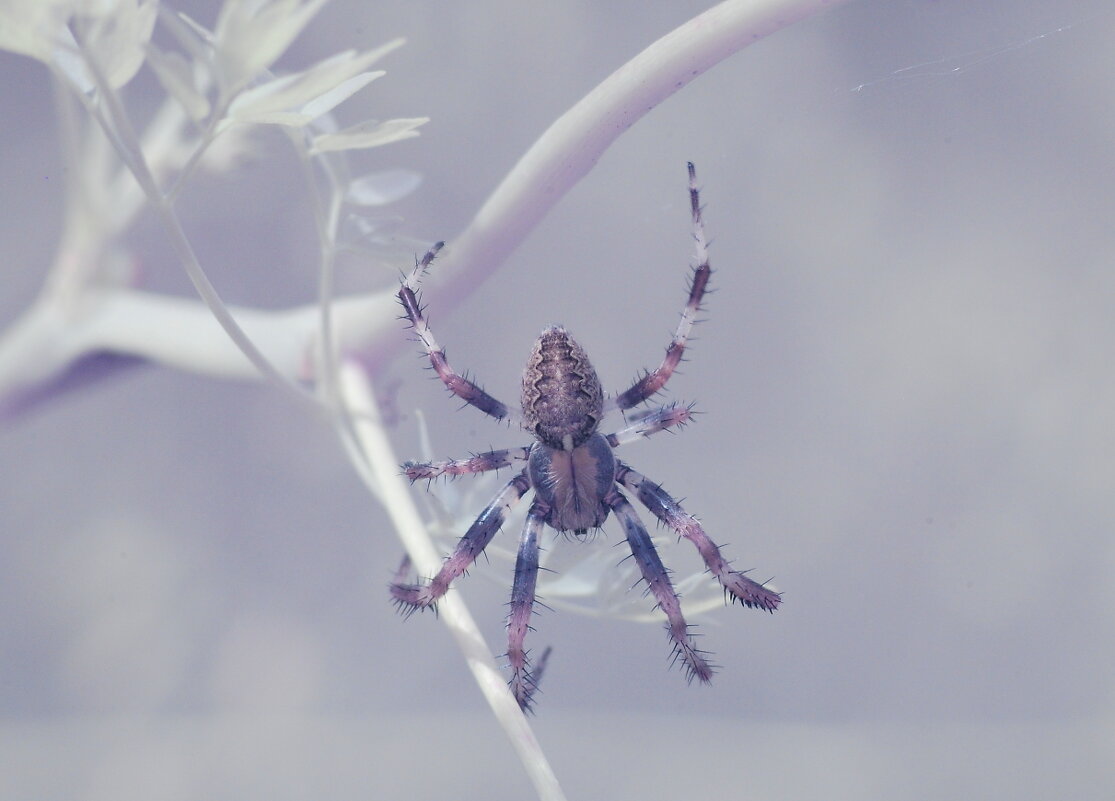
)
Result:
{"points": [[573, 144], [357, 394], [118, 128]]}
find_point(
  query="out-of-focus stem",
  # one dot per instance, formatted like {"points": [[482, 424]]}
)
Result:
{"points": [[119, 128], [356, 392]]}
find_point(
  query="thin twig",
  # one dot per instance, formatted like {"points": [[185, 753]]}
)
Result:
{"points": [[119, 128], [395, 494], [572, 145]]}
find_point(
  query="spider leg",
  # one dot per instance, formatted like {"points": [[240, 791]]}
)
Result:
{"points": [[477, 463], [661, 419], [411, 597], [458, 384], [523, 681], [658, 584], [652, 382], [658, 501]]}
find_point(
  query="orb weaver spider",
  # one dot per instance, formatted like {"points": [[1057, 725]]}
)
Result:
{"points": [[572, 469]]}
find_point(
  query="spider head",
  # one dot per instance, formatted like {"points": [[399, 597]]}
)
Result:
{"points": [[562, 397]]}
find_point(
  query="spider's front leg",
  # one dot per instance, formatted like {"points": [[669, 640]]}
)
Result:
{"points": [[523, 681], [665, 508], [652, 382], [411, 597], [459, 385], [658, 584]]}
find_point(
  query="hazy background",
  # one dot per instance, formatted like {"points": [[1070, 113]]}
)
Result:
{"points": [[909, 395]]}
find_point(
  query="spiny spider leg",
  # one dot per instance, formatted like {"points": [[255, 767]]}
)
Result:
{"points": [[571, 467], [523, 681], [477, 463], [672, 416], [658, 501], [411, 597], [658, 584], [652, 382], [458, 384]]}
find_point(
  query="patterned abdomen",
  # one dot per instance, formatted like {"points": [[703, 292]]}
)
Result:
{"points": [[562, 397]]}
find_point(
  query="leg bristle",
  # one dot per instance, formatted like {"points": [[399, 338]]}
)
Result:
{"points": [[411, 598]]}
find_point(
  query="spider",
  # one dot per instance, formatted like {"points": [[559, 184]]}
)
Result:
{"points": [[576, 477]]}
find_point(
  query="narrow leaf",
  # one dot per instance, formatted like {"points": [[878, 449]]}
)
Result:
{"points": [[176, 76], [118, 40], [369, 134], [338, 94], [381, 188], [296, 90]]}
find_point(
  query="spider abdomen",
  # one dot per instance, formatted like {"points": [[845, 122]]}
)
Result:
{"points": [[562, 397], [573, 483]]}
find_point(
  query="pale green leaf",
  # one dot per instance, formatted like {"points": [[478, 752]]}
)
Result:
{"points": [[189, 33], [369, 134], [195, 39], [325, 103], [381, 188], [176, 76], [289, 119], [311, 85], [251, 35], [31, 27], [118, 40]]}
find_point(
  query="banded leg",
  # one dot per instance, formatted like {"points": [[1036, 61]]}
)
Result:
{"points": [[658, 501], [661, 419], [523, 681], [658, 584], [458, 384], [652, 382], [477, 463], [411, 597]]}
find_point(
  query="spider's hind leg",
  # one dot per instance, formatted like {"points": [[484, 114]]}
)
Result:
{"points": [[524, 681], [665, 508], [412, 597], [658, 585]]}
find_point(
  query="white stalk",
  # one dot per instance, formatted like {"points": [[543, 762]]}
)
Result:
{"points": [[357, 394], [570, 148]]}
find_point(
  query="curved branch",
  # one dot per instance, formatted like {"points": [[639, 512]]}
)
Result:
{"points": [[563, 155], [570, 148]]}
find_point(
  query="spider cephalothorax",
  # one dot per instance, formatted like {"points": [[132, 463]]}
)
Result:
{"points": [[576, 478]]}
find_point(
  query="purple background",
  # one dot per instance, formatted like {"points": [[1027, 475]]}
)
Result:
{"points": [[909, 395]]}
